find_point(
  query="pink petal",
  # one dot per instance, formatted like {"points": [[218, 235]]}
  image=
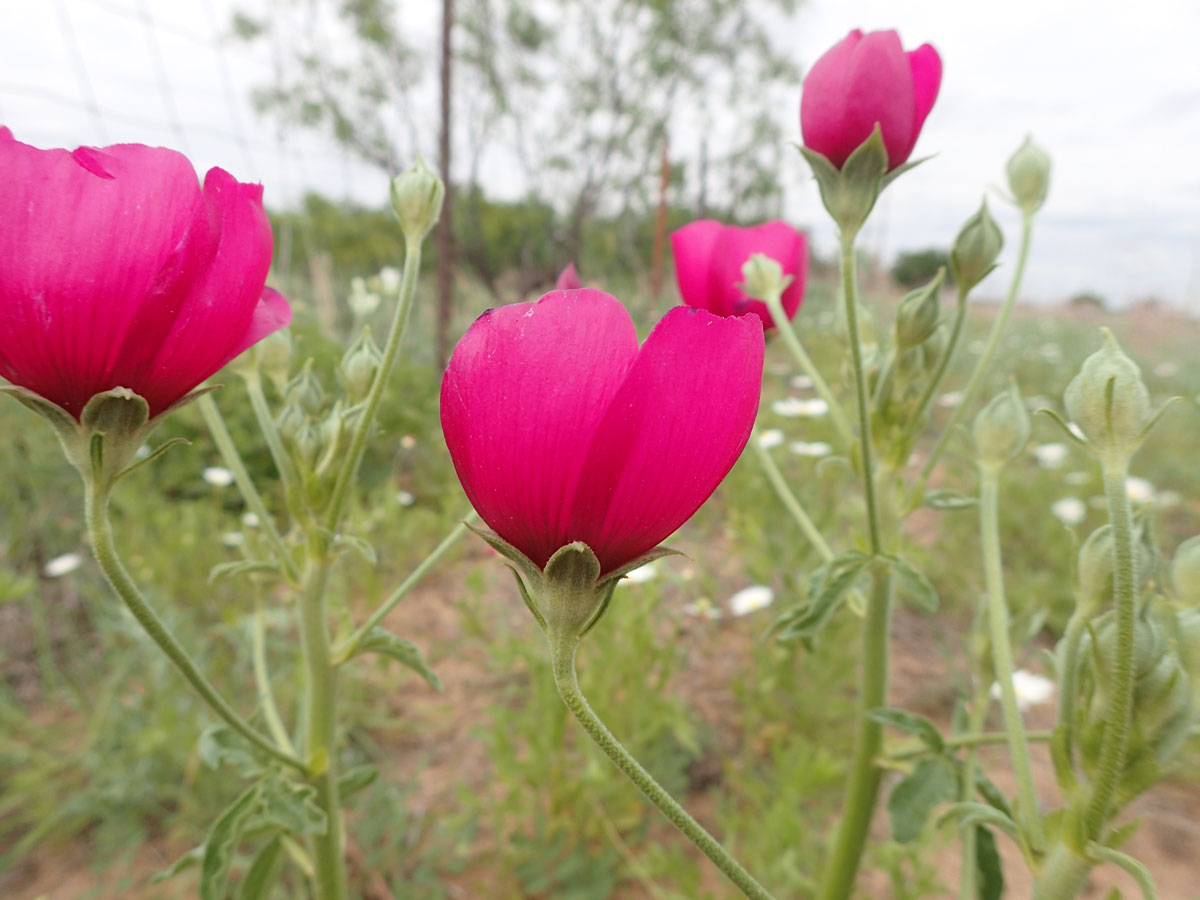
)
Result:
{"points": [[521, 399], [823, 102], [93, 246], [880, 90], [272, 313], [670, 435], [926, 67], [568, 279], [221, 310], [692, 246], [734, 246]]}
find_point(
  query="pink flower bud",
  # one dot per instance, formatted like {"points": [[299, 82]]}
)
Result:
{"points": [[561, 429], [865, 80], [708, 265], [117, 269], [568, 279]]}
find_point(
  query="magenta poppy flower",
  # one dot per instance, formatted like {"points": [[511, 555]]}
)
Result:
{"points": [[708, 265], [561, 429], [117, 269], [568, 279], [865, 80]]}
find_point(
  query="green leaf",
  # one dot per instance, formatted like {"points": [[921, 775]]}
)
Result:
{"points": [[914, 798], [972, 813], [263, 872], [220, 746], [187, 861], [913, 584], [910, 723], [291, 806], [380, 640], [222, 843], [241, 567], [949, 500], [993, 795], [354, 780], [1136, 870], [345, 542], [988, 865], [827, 589]]}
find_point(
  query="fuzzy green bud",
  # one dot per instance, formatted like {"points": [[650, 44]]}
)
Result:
{"points": [[417, 197], [1109, 401], [306, 444], [917, 315], [274, 354], [1094, 585], [763, 277], [1029, 176], [1001, 429], [1185, 572], [306, 391], [976, 249], [359, 365]]}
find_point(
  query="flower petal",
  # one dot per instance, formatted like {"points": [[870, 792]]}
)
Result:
{"points": [[880, 91], [673, 431], [692, 246], [926, 67], [734, 245], [521, 399]]}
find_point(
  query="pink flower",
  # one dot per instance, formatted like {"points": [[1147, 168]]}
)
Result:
{"points": [[118, 270], [708, 265], [568, 279], [865, 80], [562, 430]]}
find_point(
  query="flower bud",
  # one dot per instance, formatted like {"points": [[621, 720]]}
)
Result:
{"points": [[1029, 176], [763, 277], [1001, 429], [306, 444], [917, 315], [275, 358], [1185, 572], [362, 302], [1094, 587], [306, 391], [975, 250], [417, 197], [359, 366], [1109, 401]]}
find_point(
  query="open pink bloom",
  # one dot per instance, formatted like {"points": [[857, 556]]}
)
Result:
{"points": [[708, 265], [568, 279], [562, 430], [864, 80], [118, 270]]}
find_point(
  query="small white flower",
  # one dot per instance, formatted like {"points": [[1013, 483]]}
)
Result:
{"points": [[815, 448], [62, 565], [250, 520], [233, 539], [770, 438], [751, 599], [1031, 689], [641, 574], [389, 280], [791, 407], [217, 476], [1050, 456], [950, 399], [801, 382], [405, 498], [1069, 510], [702, 609], [1139, 490], [408, 442]]}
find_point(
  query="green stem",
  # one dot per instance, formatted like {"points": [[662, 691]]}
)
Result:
{"points": [[985, 360], [1018, 744], [1116, 731], [784, 326], [1062, 876], [779, 483], [233, 459], [980, 739], [262, 680], [968, 889], [350, 645], [270, 433], [850, 292], [100, 532], [1068, 671], [862, 786], [562, 651], [320, 685], [341, 488]]}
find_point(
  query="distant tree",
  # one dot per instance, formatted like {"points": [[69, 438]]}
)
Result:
{"points": [[917, 267]]}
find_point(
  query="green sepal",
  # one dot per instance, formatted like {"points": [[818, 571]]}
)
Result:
{"points": [[645, 559], [849, 193], [188, 860], [524, 564], [570, 596], [912, 583]]}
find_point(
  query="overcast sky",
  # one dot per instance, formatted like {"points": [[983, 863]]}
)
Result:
{"points": [[1113, 95]]}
